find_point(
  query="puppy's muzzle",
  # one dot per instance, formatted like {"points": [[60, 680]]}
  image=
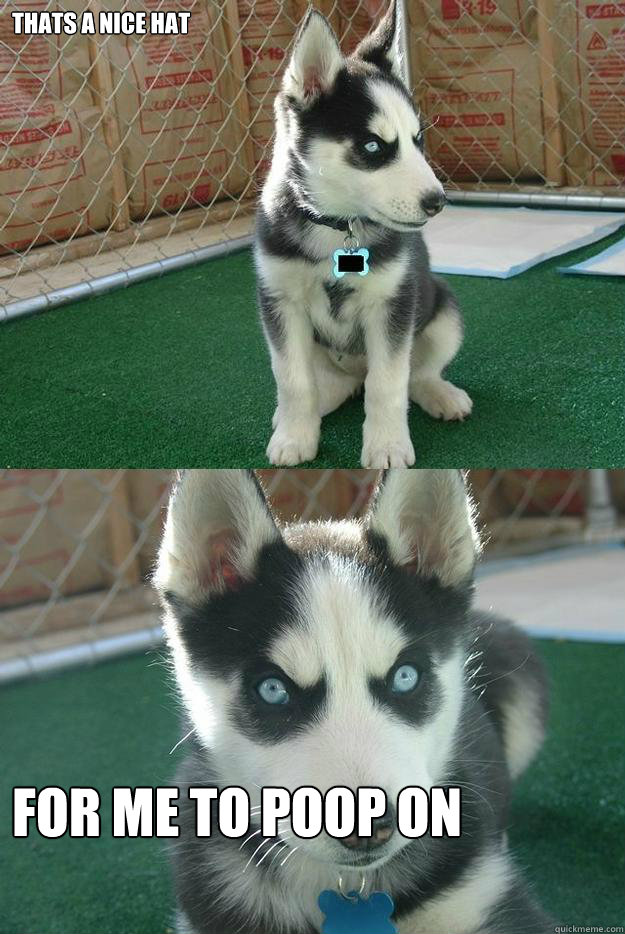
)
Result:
{"points": [[433, 202], [383, 829]]}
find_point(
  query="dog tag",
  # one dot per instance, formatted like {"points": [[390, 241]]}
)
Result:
{"points": [[351, 261], [353, 914]]}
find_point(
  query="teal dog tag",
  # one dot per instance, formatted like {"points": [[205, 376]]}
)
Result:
{"points": [[353, 914], [351, 261]]}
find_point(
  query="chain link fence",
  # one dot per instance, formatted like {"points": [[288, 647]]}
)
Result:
{"points": [[123, 156], [77, 546]]}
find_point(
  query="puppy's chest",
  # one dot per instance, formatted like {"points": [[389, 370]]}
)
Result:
{"points": [[337, 305], [340, 309]]}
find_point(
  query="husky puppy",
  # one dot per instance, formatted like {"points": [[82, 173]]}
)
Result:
{"points": [[349, 145], [363, 632]]}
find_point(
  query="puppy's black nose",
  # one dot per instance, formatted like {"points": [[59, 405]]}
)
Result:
{"points": [[383, 829], [433, 202]]}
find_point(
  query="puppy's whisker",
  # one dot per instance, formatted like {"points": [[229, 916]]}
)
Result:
{"points": [[288, 856], [265, 855], [283, 847], [255, 834], [180, 742], [259, 847]]}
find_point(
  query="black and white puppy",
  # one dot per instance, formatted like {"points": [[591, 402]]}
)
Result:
{"points": [[328, 619], [349, 145]]}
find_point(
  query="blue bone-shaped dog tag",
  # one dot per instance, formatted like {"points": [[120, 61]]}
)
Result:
{"points": [[356, 915], [351, 261]]}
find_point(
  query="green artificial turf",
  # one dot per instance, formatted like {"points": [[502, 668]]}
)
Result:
{"points": [[115, 724], [174, 372]]}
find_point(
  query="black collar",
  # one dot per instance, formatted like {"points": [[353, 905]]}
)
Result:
{"points": [[336, 223]]}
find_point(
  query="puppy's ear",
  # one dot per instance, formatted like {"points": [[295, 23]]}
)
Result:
{"points": [[315, 61], [426, 518], [217, 522], [382, 46]]}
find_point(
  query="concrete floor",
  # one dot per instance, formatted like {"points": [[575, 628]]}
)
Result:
{"points": [[575, 593]]}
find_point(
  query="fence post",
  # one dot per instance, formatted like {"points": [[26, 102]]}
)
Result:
{"points": [[600, 511]]}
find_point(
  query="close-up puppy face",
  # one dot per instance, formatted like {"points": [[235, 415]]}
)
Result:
{"points": [[356, 138], [321, 655]]}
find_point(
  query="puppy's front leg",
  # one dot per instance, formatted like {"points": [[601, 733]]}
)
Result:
{"points": [[296, 421], [386, 439]]}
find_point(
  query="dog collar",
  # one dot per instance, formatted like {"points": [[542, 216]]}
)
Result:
{"points": [[336, 223]]}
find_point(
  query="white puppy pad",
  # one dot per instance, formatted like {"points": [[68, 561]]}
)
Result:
{"points": [[610, 262], [502, 242], [574, 593]]}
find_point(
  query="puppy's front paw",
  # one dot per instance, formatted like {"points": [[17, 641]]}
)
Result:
{"points": [[441, 399], [383, 450], [292, 444]]}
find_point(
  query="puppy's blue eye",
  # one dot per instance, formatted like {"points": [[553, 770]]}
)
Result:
{"points": [[273, 691], [405, 679], [372, 146]]}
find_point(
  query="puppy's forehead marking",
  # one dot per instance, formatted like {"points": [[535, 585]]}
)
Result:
{"points": [[393, 113], [341, 632], [383, 128]]}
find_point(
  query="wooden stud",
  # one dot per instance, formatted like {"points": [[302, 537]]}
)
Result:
{"points": [[102, 86], [241, 105], [122, 534], [552, 128]]}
